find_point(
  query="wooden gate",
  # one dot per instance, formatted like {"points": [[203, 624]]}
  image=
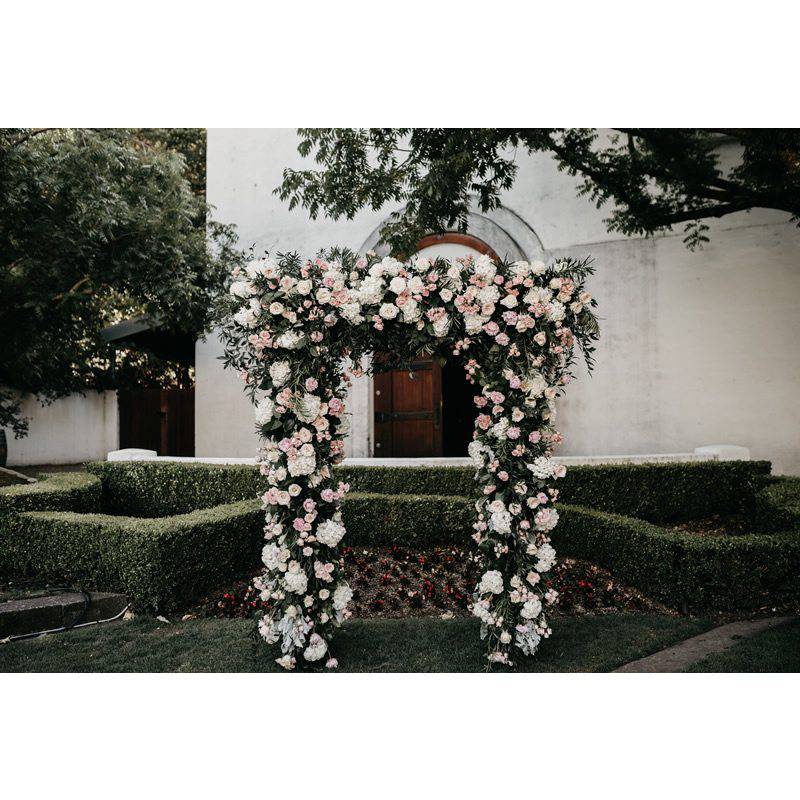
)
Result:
{"points": [[157, 419]]}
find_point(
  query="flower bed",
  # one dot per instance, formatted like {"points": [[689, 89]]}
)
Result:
{"points": [[397, 582]]}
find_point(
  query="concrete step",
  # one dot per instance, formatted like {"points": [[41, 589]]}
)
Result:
{"points": [[34, 614]]}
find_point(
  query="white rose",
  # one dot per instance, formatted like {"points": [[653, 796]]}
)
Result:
{"points": [[276, 308], [397, 285], [389, 311], [538, 267], [304, 287]]}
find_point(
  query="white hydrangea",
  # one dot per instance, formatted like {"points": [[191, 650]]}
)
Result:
{"points": [[342, 596], [500, 521], [307, 407], [242, 289], [303, 464], [330, 532], [542, 468], [274, 557], [352, 313], [479, 453], [264, 410], [485, 268], [290, 340], [531, 608], [370, 291], [317, 647], [279, 372], [295, 578], [556, 311], [491, 581], [534, 385], [411, 311], [545, 558], [441, 326], [474, 322]]}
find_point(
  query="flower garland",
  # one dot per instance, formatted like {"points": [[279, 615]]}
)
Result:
{"points": [[297, 331]]}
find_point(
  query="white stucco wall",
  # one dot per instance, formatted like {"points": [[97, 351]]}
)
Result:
{"points": [[69, 431], [696, 348]]}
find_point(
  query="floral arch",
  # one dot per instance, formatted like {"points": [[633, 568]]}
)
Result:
{"points": [[297, 331]]}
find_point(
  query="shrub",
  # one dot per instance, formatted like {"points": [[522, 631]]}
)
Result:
{"points": [[655, 492], [161, 489], [375, 519], [158, 563], [683, 570], [59, 491], [777, 505]]}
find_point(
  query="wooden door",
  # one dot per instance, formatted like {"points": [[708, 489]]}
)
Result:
{"points": [[157, 419], [408, 411]]}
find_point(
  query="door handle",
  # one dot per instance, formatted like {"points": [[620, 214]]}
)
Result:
{"points": [[437, 417]]}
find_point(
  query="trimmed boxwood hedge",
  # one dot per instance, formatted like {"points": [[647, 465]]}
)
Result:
{"points": [[654, 492], [159, 563], [777, 506], [682, 570], [58, 491], [161, 489], [377, 519], [185, 529]]}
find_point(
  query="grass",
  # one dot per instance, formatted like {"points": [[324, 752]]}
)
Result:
{"points": [[583, 644], [773, 650]]}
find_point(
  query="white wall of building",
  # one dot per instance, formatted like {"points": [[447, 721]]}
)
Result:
{"points": [[71, 430], [696, 348]]}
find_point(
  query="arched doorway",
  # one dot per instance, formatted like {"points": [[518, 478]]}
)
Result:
{"points": [[428, 411]]}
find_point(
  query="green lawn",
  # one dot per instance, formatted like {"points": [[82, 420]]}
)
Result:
{"points": [[585, 644], [773, 650]]}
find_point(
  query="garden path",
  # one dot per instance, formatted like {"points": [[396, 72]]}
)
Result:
{"points": [[717, 640]]}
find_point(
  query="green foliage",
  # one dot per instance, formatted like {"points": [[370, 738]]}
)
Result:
{"points": [[682, 570], [95, 226], [159, 564], [778, 504], [189, 143], [407, 520], [60, 491], [655, 492], [666, 492], [160, 489], [654, 178]]}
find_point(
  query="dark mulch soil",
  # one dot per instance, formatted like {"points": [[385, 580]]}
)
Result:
{"points": [[718, 525], [396, 582]]}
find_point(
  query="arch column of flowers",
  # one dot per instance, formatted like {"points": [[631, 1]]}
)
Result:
{"points": [[295, 326]]}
